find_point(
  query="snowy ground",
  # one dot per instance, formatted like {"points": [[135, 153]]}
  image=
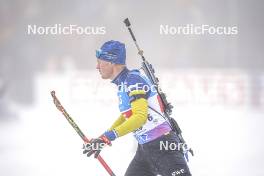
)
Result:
{"points": [[227, 140]]}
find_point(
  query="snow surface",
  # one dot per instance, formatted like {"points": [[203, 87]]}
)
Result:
{"points": [[227, 139]]}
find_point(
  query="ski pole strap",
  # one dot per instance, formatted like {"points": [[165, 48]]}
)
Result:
{"points": [[106, 140]]}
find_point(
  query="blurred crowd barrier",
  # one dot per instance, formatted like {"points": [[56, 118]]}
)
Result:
{"points": [[230, 88]]}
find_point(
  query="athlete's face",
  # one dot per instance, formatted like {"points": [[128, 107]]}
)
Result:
{"points": [[105, 68]]}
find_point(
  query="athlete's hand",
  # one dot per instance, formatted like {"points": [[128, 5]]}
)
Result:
{"points": [[95, 146]]}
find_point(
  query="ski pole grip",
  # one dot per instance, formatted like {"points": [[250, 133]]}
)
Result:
{"points": [[126, 21]]}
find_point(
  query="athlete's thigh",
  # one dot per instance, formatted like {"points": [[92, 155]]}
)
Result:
{"points": [[172, 163], [138, 167], [169, 161]]}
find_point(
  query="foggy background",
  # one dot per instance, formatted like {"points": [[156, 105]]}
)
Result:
{"points": [[215, 82]]}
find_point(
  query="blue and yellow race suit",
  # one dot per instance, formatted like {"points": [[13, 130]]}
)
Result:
{"points": [[137, 99]]}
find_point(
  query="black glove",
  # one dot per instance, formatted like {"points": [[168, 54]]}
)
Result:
{"points": [[95, 146]]}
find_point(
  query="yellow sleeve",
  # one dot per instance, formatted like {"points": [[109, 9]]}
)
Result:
{"points": [[138, 118], [118, 122]]}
